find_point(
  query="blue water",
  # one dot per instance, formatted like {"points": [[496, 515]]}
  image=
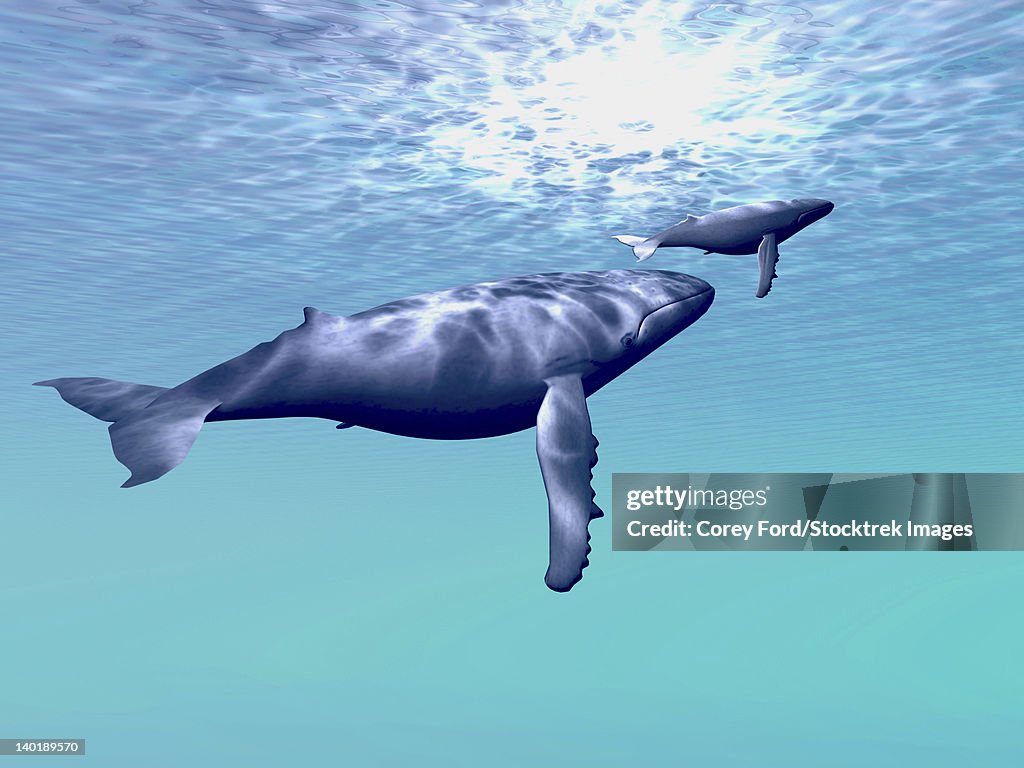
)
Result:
{"points": [[178, 178]]}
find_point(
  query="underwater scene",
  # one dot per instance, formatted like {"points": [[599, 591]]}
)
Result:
{"points": [[787, 242]]}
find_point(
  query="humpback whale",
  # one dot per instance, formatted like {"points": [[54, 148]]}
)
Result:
{"points": [[746, 229], [476, 361]]}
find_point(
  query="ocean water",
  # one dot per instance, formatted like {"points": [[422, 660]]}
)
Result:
{"points": [[178, 178]]}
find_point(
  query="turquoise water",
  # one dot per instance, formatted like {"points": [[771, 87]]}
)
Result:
{"points": [[181, 177]]}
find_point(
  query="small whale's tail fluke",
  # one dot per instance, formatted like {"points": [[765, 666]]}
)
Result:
{"points": [[153, 427], [643, 247]]}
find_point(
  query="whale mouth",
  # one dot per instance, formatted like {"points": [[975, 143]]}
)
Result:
{"points": [[669, 319], [814, 214]]}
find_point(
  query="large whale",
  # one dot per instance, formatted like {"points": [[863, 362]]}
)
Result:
{"points": [[476, 361], [746, 229]]}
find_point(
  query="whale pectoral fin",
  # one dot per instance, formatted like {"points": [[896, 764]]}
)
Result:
{"points": [[767, 258], [567, 451]]}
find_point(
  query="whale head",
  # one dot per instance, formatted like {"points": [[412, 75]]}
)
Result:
{"points": [[673, 303], [810, 210], [646, 309]]}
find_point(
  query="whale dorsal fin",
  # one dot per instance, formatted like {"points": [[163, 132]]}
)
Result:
{"points": [[312, 315]]}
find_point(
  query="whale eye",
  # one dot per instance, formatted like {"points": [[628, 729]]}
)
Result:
{"points": [[627, 341]]}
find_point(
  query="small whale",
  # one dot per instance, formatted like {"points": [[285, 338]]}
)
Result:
{"points": [[746, 229], [477, 361]]}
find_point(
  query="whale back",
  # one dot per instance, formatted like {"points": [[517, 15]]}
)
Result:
{"points": [[485, 345], [534, 324]]}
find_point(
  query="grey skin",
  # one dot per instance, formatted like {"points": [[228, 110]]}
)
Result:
{"points": [[476, 361], [746, 229]]}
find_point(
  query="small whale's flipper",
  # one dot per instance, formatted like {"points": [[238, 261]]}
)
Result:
{"points": [[344, 425], [767, 258], [155, 440], [104, 399], [643, 247], [567, 450]]}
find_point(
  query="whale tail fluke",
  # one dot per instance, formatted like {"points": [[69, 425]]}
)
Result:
{"points": [[643, 247], [153, 428], [156, 439], [105, 399]]}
